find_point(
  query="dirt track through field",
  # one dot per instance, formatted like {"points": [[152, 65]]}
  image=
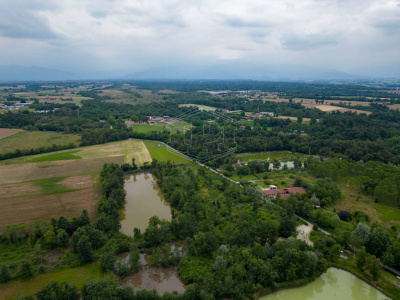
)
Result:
{"points": [[5, 132]]}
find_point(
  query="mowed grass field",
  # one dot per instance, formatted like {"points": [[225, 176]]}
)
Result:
{"points": [[80, 276], [162, 154], [35, 139]]}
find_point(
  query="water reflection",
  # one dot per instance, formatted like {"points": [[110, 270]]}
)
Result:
{"points": [[161, 279], [332, 285], [144, 199]]}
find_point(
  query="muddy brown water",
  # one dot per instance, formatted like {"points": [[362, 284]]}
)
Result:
{"points": [[161, 279], [144, 199]]}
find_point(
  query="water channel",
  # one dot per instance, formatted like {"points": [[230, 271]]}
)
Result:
{"points": [[144, 199], [332, 285]]}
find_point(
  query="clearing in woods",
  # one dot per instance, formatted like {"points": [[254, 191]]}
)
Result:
{"points": [[6, 132], [35, 139]]}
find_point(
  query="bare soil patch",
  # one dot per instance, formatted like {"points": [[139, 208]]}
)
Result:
{"points": [[304, 234], [5, 132], [20, 189], [27, 209], [78, 182]]}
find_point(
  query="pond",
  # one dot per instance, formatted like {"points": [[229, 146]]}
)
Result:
{"points": [[332, 285], [161, 279], [144, 199]]}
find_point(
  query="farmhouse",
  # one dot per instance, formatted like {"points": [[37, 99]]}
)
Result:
{"points": [[153, 120], [284, 193]]}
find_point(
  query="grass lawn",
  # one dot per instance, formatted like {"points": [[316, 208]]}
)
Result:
{"points": [[282, 156], [56, 156], [161, 153], [79, 276], [35, 139]]}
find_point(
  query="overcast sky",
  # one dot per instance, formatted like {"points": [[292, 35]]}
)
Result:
{"points": [[358, 36]]}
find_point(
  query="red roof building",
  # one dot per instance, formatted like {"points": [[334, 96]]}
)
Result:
{"points": [[285, 193]]}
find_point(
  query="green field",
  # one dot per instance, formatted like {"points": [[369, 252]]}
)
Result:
{"points": [[56, 156], [146, 128], [35, 139], [161, 153], [282, 156], [79, 276], [200, 107], [388, 213], [52, 186]]}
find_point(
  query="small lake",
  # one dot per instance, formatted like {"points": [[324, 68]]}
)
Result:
{"points": [[333, 285], [144, 199]]}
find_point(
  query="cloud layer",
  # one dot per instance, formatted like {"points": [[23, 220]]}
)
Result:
{"points": [[88, 35]]}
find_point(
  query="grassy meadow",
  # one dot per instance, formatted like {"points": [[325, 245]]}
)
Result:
{"points": [[35, 139]]}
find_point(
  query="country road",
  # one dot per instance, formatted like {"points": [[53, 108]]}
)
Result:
{"points": [[309, 225]]}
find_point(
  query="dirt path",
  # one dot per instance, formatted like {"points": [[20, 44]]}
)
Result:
{"points": [[304, 234]]}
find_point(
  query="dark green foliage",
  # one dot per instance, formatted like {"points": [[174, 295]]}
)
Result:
{"points": [[62, 238], [26, 269], [108, 259], [58, 291], [4, 273], [85, 250], [84, 219], [63, 223]]}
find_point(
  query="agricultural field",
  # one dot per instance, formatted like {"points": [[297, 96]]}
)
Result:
{"points": [[35, 139], [5, 132], [394, 106], [282, 156], [331, 108], [200, 107], [79, 276], [127, 149], [64, 182], [327, 107], [32, 191]]}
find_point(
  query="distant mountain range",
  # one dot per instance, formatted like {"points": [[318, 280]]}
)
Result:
{"points": [[222, 71]]}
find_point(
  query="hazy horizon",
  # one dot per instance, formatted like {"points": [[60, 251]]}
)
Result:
{"points": [[195, 37]]}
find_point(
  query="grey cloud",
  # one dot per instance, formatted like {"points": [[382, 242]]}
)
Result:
{"points": [[239, 22], [308, 42], [26, 26]]}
